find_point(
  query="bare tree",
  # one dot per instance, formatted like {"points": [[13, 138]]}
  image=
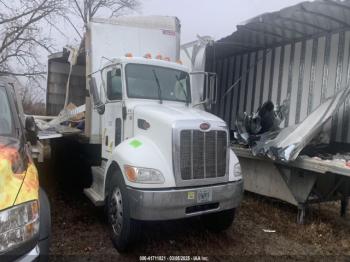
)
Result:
{"points": [[84, 10], [21, 39], [25, 27], [87, 9], [23, 46]]}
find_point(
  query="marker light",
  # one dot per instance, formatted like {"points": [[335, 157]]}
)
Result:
{"points": [[167, 59], [159, 57], [148, 56], [128, 54], [179, 61]]}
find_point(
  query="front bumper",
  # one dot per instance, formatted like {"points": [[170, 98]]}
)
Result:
{"points": [[182, 203], [39, 252]]}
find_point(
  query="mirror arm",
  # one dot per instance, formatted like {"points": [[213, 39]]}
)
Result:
{"points": [[100, 108], [201, 103]]}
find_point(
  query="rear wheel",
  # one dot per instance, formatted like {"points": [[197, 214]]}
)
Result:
{"points": [[124, 230], [219, 221]]}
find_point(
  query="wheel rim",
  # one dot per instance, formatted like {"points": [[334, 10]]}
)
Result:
{"points": [[116, 211]]}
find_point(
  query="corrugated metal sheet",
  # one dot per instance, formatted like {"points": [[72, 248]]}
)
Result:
{"points": [[301, 53], [58, 71]]}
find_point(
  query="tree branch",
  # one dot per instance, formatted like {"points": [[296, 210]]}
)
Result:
{"points": [[22, 74]]}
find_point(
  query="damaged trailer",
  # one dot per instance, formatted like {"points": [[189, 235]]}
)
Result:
{"points": [[298, 57]]}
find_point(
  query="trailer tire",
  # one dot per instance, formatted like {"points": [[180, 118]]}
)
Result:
{"points": [[220, 221], [123, 229]]}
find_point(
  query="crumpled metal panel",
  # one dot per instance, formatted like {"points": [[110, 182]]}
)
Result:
{"points": [[251, 128], [289, 142]]}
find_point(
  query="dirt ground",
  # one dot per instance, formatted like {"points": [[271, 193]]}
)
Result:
{"points": [[80, 231]]}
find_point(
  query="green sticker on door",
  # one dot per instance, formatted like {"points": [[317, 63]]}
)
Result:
{"points": [[135, 143]]}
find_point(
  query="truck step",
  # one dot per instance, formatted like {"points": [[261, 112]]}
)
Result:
{"points": [[96, 192], [103, 164], [98, 179], [95, 198], [98, 171]]}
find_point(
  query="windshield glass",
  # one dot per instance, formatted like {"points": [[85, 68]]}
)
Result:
{"points": [[155, 82], [6, 124]]}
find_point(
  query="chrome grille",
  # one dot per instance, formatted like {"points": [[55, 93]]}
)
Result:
{"points": [[202, 154]]}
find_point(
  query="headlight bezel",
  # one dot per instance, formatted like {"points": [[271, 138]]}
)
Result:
{"points": [[20, 225], [138, 175]]}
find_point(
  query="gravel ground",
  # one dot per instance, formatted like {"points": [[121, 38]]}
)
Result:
{"points": [[79, 230]]}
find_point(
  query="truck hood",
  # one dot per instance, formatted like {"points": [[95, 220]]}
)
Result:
{"points": [[170, 113], [18, 176], [162, 118]]}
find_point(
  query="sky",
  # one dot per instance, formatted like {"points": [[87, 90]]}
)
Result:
{"points": [[216, 18]]}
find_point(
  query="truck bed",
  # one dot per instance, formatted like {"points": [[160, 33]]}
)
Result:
{"points": [[303, 162]]}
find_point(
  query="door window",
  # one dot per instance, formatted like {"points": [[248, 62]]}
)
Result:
{"points": [[114, 84], [5, 114]]}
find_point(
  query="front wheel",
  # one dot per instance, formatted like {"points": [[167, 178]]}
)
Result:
{"points": [[219, 221], [123, 229]]}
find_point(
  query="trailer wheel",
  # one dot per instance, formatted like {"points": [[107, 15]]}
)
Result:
{"points": [[218, 222], [123, 229]]}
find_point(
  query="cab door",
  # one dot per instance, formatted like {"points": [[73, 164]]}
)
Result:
{"points": [[113, 126]]}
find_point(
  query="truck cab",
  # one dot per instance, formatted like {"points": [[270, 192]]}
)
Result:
{"points": [[162, 158], [155, 155], [25, 221]]}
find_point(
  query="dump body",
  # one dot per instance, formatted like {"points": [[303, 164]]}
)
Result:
{"points": [[298, 56]]}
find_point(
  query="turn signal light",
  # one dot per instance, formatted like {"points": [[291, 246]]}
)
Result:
{"points": [[128, 54], [130, 173]]}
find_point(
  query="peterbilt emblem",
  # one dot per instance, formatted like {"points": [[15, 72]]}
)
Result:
{"points": [[204, 126]]}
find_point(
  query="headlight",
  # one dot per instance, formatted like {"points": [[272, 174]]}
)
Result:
{"points": [[18, 224], [237, 171], [143, 175]]}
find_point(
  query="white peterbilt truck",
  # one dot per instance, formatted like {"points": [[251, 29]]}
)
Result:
{"points": [[162, 158]]}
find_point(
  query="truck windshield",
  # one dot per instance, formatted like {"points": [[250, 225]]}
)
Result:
{"points": [[6, 124], [155, 82]]}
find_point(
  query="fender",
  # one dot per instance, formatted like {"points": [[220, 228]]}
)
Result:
{"points": [[140, 151]]}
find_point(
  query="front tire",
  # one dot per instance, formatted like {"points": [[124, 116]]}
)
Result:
{"points": [[123, 229], [220, 221]]}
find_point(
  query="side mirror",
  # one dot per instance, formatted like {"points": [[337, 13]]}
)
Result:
{"points": [[95, 96], [31, 130], [212, 88], [208, 82]]}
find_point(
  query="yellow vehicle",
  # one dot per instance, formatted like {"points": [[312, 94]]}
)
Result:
{"points": [[25, 221]]}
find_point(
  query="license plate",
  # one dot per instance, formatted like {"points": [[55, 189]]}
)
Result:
{"points": [[204, 195]]}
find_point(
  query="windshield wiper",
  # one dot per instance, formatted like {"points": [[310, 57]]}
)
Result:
{"points": [[159, 89], [183, 89]]}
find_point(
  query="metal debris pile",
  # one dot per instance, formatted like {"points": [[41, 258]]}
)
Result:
{"points": [[71, 120], [262, 133]]}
